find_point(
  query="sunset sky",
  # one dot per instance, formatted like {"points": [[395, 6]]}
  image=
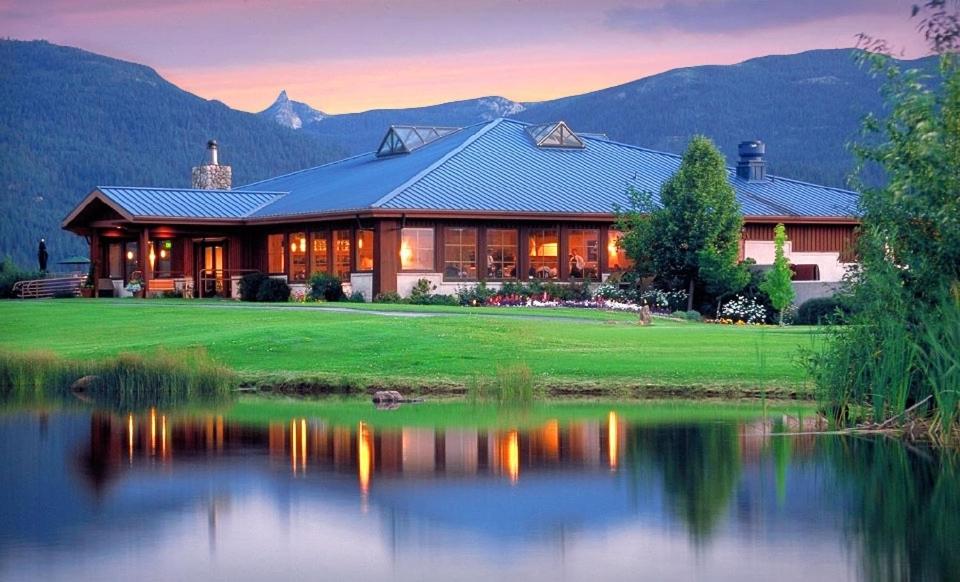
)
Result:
{"points": [[353, 55]]}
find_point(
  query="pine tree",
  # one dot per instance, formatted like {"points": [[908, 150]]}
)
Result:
{"points": [[777, 283]]}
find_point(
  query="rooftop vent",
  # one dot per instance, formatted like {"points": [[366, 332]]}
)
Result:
{"points": [[554, 135], [403, 139], [752, 166]]}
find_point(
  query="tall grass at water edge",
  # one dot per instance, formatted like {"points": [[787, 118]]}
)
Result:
{"points": [[125, 382], [511, 384]]}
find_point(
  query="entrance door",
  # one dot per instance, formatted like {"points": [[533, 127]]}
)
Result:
{"points": [[211, 270]]}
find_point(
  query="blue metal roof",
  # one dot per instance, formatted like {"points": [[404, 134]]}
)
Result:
{"points": [[488, 167], [188, 203]]}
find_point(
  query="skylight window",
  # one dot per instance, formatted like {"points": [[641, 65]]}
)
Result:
{"points": [[554, 135], [403, 139]]}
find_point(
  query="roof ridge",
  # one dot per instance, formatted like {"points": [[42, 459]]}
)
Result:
{"points": [[419, 175], [197, 190]]}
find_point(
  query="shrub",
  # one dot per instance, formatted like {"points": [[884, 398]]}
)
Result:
{"points": [[10, 274], [326, 287], [744, 309], [821, 310], [250, 286], [423, 289], [478, 294], [388, 297], [63, 294], [273, 290], [357, 297], [693, 315]]}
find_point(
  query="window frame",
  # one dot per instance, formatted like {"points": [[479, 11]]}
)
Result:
{"points": [[432, 264], [476, 254]]}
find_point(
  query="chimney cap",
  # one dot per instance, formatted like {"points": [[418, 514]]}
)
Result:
{"points": [[212, 144], [751, 149]]}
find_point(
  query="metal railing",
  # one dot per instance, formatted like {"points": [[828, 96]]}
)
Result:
{"points": [[218, 282], [49, 287]]}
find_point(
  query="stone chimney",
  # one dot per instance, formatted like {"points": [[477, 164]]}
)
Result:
{"points": [[212, 176]]}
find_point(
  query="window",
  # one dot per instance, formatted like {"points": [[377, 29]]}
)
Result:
{"points": [[617, 259], [501, 253], [341, 254], [275, 254], [163, 255], [544, 251], [115, 261], [365, 249], [460, 253], [132, 258], [298, 256], [584, 249], [321, 246], [416, 249]]}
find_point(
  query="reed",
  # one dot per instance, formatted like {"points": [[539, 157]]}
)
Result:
{"points": [[125, 382], [511, 384]]}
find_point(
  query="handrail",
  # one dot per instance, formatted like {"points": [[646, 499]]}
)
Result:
{"points": [[48, 287]]}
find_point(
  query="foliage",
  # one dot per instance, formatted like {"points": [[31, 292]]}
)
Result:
{"points": [[478, 294], [357, 297], [273, 289], [250, 285], [906, 295], [777, 283], [744, 309], [512, 384], [423, 294], [10, 274], [821, 310], [636, 224], [388, 297], [723, 272], [326, 287]]}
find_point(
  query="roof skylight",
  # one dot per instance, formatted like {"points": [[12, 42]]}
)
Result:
{"points": [[554, 135], [403, 139]]}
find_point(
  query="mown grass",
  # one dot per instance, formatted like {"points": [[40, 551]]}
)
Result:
{"points": [[580, 349]]}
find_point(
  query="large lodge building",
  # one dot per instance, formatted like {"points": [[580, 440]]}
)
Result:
{"points": [[496, 201]]}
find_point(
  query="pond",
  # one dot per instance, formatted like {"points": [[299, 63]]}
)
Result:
{"points": [[340, 491]]}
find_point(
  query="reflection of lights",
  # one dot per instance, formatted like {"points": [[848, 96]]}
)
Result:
{"points": [[613, 437], [298, 445], [163, 436], [153, 430], [364, 457], [551, 439], [303, 443], [130, 436], [513, 456], [293, 445]]}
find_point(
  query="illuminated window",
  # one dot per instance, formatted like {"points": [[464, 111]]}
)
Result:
{"points": [[365, 249], [163, 253], [341, 254], [501, 253], [275, 254], [298, 256], [416, 249], [544, 253], [460, 253], [584, 249], [617, 258], [320, 258]]}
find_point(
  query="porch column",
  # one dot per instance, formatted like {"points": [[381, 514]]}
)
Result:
{"points": [[95, 260], [145, 260], [386, 248], [604, 250]]}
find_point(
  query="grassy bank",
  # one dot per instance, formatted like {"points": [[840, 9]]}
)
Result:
{"points": [[565, 349]]}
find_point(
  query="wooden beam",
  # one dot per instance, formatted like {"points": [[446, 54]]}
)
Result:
{"points": [[145, 265]]}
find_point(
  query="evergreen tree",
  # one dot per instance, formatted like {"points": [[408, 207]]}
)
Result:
{"points": [[699, 214], [777, 283]]}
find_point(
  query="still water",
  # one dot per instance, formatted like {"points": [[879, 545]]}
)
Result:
{"points": [[595, 496]]}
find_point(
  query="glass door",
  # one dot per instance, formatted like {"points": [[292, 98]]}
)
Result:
{"points": [[210, 269]]}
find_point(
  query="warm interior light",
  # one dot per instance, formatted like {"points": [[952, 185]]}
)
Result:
{"points": [[163, 253], [293, 246], [548, 250], [303, 244], [360, 242], [405, 253], [152, 256]]}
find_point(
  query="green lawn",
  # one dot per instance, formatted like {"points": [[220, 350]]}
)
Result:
{"points": [[563, 347]]}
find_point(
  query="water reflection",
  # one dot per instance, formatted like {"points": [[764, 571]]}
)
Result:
{"points": [[597, 496]]}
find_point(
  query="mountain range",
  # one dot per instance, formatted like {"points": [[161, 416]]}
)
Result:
{"points": [[71, 120]]}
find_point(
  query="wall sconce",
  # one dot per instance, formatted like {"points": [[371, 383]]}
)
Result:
{"points": [[152, 256], [129, 255], [163, 253]]}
